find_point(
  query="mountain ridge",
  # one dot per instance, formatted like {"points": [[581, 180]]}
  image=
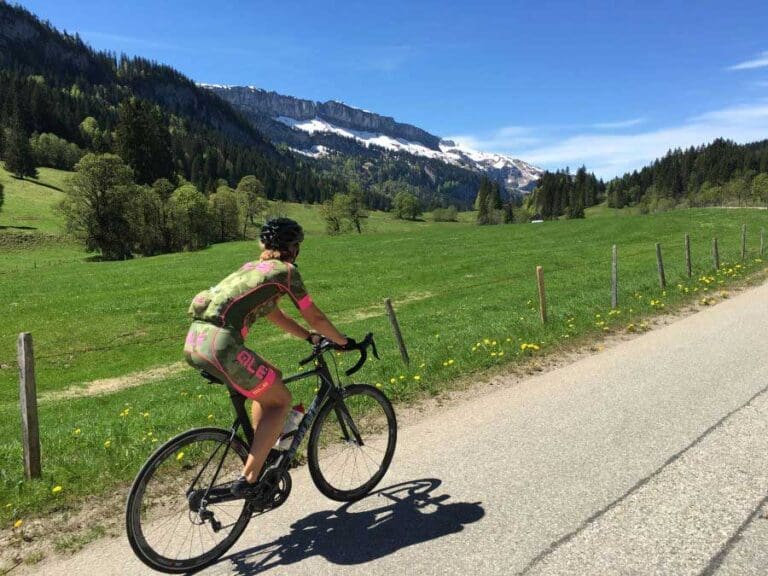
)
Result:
{"points": [[316, 129]]}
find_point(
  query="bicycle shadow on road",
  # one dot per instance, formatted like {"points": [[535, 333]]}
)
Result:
{"points": [[362, 531]]}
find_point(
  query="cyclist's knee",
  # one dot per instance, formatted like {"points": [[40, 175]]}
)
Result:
{"points": [[283, 397]]}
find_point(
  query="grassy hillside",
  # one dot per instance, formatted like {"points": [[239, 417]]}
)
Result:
{"points": [[30, 204], [465, 296]]}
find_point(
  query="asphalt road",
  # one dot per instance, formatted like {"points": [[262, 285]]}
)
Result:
{"points": [[648, 458]]}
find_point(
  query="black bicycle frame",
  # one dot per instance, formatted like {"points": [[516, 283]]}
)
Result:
{"points": [[328, 390]]}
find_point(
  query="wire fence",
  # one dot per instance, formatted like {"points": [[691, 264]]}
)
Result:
{"points": [[551, 272]]}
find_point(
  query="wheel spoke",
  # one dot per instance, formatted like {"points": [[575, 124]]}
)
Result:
{"points": [[361, 466], [164, 530]]}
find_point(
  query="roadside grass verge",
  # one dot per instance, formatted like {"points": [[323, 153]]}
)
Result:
{"points": [[465, 296]]}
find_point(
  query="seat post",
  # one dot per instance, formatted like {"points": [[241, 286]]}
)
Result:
{"points": [[238, 401]]}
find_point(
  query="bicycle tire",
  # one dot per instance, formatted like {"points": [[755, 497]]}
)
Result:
{"points": [[174, 463], [373, 430]]}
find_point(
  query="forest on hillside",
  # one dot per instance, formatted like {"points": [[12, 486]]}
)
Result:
{"points": [[716, 174]]}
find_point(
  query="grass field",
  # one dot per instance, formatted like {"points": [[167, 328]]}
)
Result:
{"points": [[465, 295]]}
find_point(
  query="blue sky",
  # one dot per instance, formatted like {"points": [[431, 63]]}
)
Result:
{"points": [[608, 84]]}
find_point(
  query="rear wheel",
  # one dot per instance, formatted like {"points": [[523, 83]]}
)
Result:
{"points": [[169, 526], [343, 466]]}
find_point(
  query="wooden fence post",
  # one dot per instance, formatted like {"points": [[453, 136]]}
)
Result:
{"points": [[743, 242], [715, 254], [542, 294], [614, 277], [30, 429], [660, 265], [396, 331], [688, 255]]}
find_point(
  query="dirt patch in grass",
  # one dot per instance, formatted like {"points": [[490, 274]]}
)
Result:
{"points": [[374, 311], [110, 385]]}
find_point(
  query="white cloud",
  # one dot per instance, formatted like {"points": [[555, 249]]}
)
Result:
{"points": [[619, 125], [501, 139], [128, 40], [610, 155], [760, 62]]}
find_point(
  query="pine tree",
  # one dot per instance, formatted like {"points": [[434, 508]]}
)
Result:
{"points": [[143, 141], [483, 215], [19, 159]]}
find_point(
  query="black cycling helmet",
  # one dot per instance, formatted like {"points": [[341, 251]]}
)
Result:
{"points": [[281, 234]]}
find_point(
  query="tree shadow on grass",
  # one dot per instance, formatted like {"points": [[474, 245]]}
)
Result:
{"points": [[18, 228], [39, 183], [384, 522]]}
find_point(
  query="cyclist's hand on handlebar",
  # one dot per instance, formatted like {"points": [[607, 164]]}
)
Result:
{"points": [[350, 345], [314, 338]]}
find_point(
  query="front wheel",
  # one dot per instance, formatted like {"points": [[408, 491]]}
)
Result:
{"points": [[169, 523], [352, 443]]}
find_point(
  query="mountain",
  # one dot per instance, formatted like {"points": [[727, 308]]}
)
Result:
{"points": [[51, 81], [318, 129]]}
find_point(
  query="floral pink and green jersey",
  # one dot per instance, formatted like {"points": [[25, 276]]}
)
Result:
{"points": [[248, 294]]}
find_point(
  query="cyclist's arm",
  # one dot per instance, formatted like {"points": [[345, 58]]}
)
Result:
{"points": [[319, 322], [287, 324]]}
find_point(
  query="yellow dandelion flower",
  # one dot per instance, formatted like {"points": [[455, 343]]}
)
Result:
{"points": [[108, 443], [501, 353], [422, 365], [445, 363], [450, 361], [9, 505], [210, 416], [402, 377], [535, 346], [486, 341], [509, 339], [417, 377], [493, 353], [18, 523], [146, 414], [378, 384], [56, 489], [180, 456], [76, 432], [392, 380]]}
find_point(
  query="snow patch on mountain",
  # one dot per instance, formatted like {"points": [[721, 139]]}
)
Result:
{"points": [[514, 172]]}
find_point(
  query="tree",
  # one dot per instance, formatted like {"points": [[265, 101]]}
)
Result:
{"points": [[356, 209], [225, 212], [96, 207], [760, 188], [445, 214], [188, 218], [146, 215], [406, 206], [143, 140], [509, 216], [252, 200], [54, 152], [18, 156], [484, 202], [336, 213]]}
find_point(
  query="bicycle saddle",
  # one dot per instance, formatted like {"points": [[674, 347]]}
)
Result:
{"points": [[210, 377]]}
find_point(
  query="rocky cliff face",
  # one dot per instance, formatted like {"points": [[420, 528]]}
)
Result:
{"points": [[255, 100], [316, 129]]}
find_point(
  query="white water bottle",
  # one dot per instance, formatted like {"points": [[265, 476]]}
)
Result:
{"points": [[291, 425]]}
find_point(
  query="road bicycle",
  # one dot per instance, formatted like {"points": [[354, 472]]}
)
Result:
{"points": [[181, 514]]}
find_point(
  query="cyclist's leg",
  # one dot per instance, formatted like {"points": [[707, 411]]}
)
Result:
{"points": [[219, 352], [269, 410]]}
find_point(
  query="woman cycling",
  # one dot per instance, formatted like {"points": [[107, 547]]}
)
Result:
{"points": [[222, 317]]}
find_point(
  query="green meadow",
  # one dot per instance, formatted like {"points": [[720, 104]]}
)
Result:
{"points": [[466, 299]]}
